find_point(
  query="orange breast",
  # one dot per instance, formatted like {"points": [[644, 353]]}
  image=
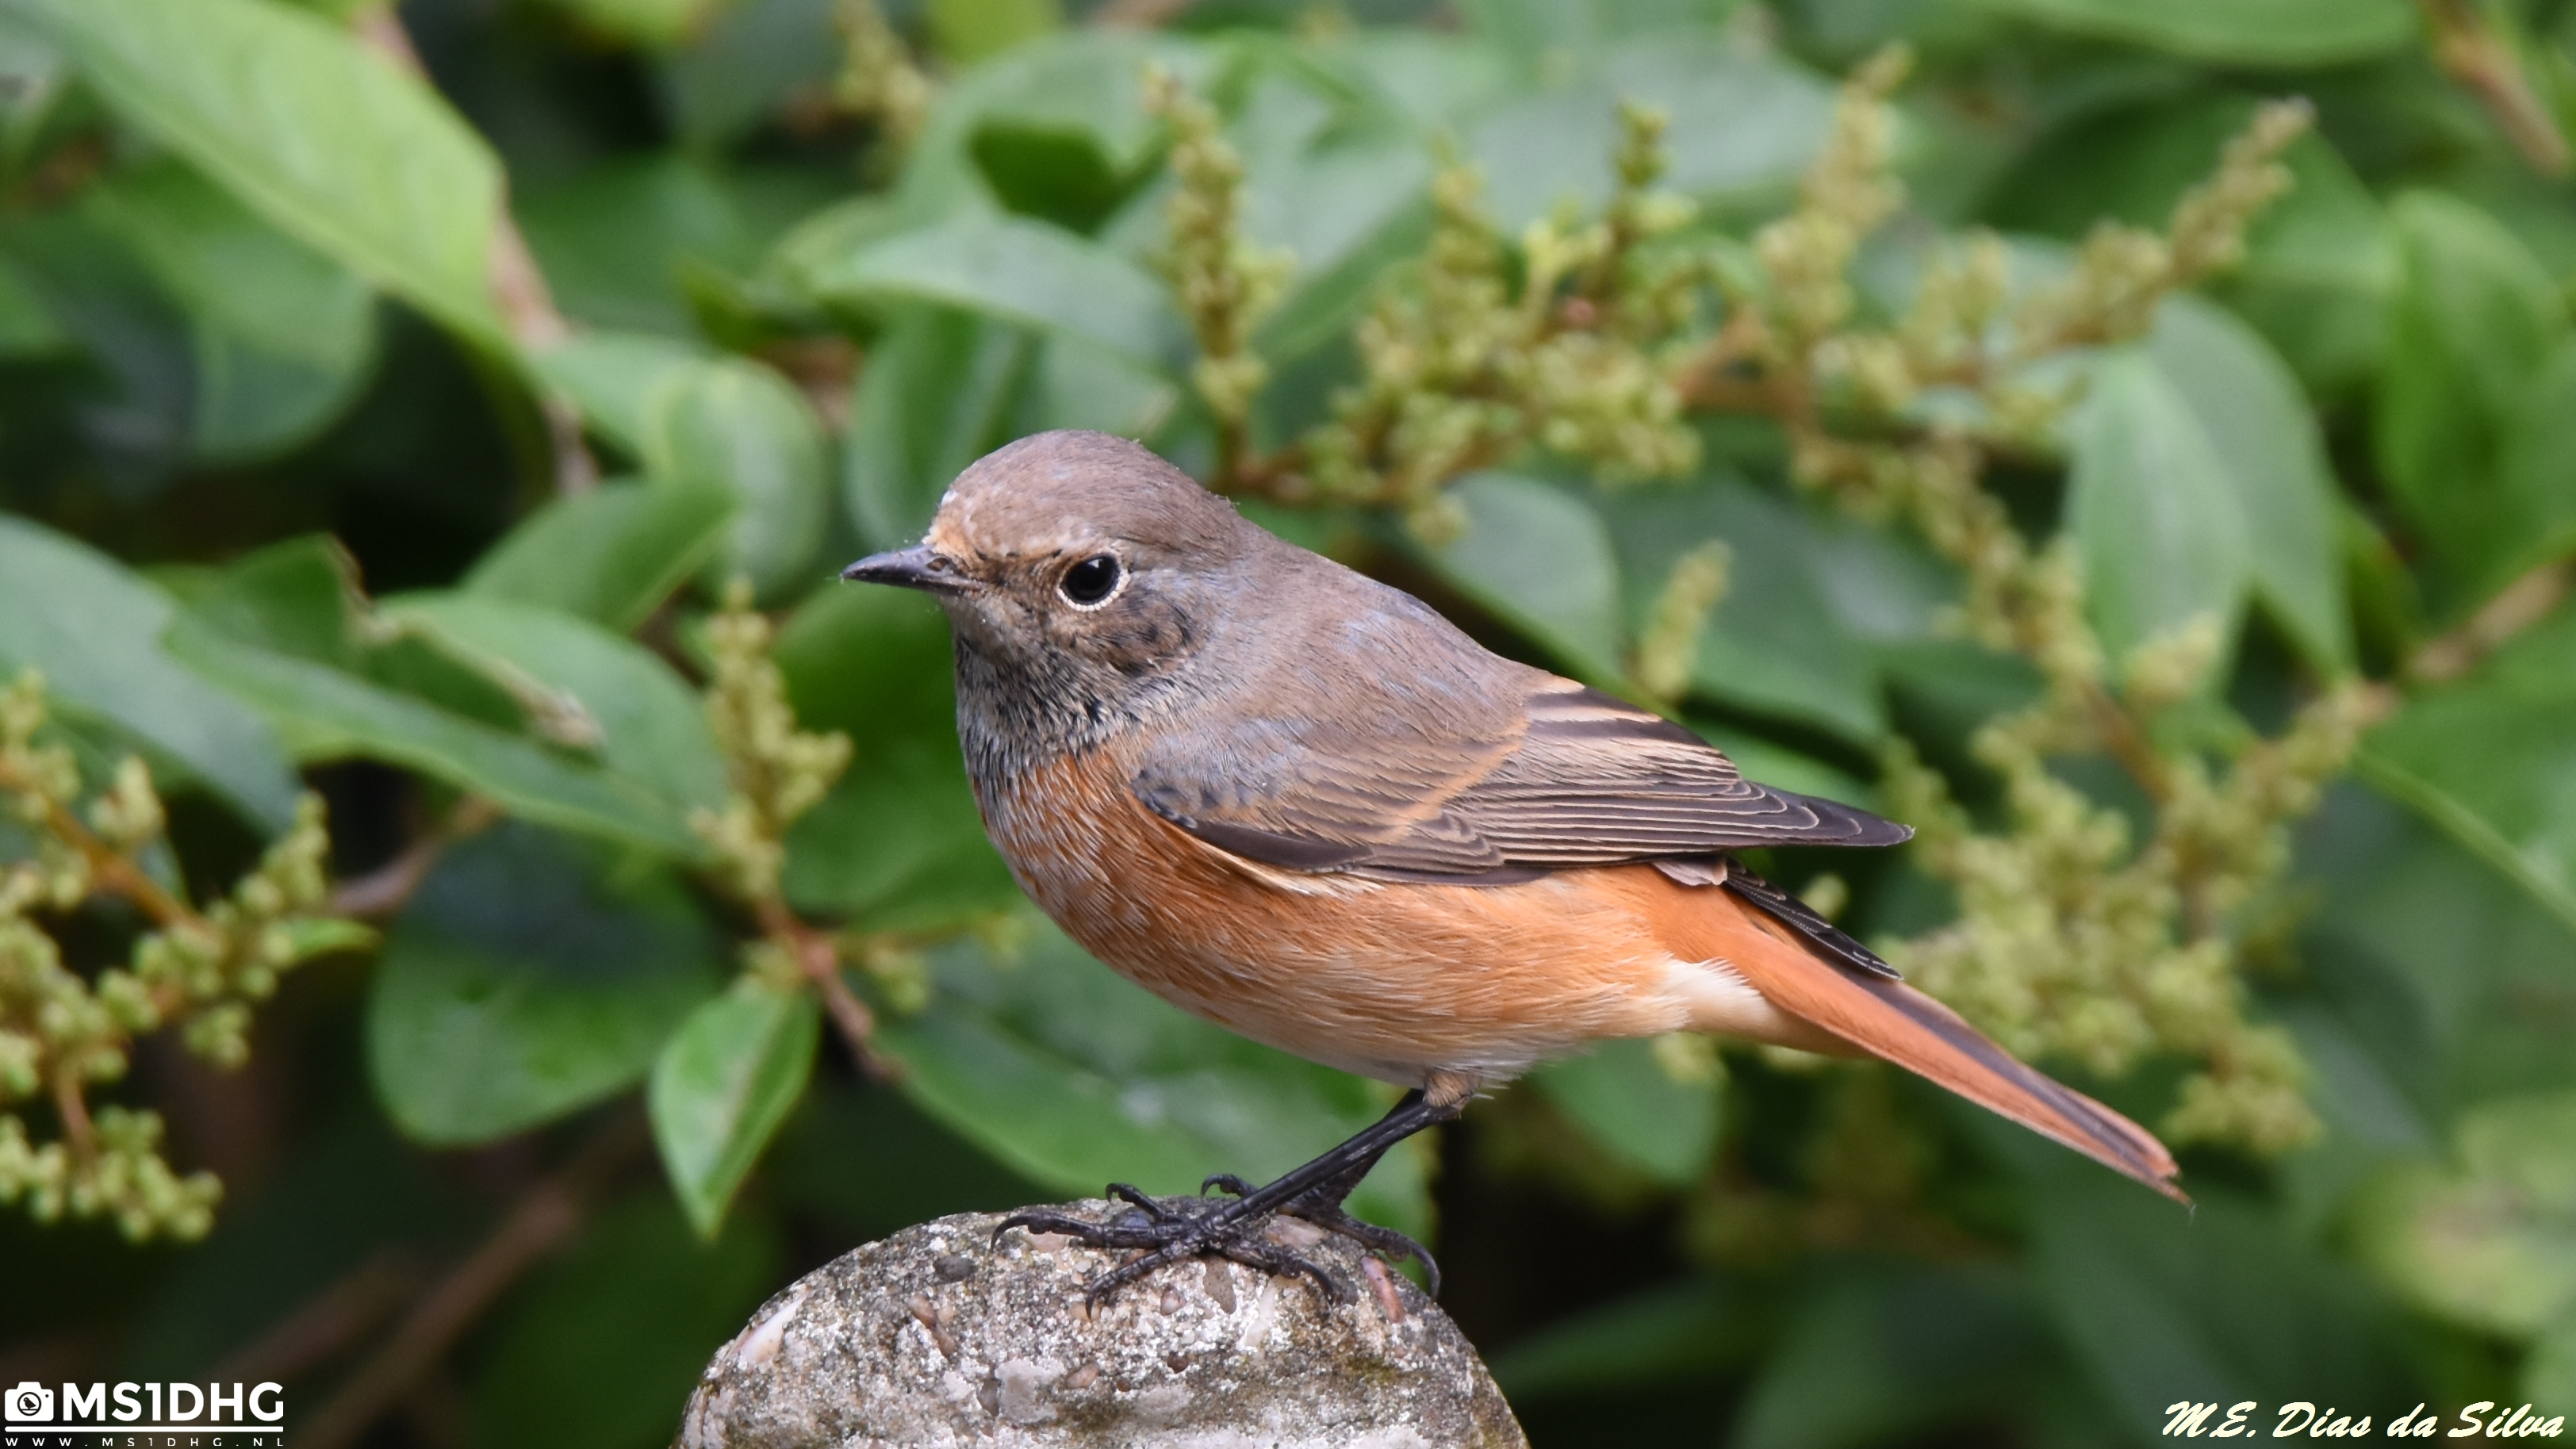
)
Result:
{"points": [[1392, 980]]}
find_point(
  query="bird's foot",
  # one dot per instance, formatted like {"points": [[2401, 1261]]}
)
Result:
{"points": [[1176, 1229], [1324, 1211]]}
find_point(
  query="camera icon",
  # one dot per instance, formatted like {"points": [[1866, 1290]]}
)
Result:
{"points": [[31, 1403]]}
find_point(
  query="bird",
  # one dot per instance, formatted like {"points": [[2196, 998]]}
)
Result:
{"points": [[1301, 804]]}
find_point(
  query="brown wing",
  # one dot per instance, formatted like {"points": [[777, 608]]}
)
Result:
{"points": [[1578, 778]]}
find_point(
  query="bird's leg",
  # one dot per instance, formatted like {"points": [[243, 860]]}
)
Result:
{"points": [[1321, 1205], [1173, 1229]]}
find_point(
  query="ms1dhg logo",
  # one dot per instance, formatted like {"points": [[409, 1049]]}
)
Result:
{"points": [[145, 1416]]}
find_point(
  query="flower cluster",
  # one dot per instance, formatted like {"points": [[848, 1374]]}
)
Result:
{"points": [[777, 771], [2074, 938], [62, 1032], [1670, 642], [1225, 284], [878, 78], [1462, 370]]}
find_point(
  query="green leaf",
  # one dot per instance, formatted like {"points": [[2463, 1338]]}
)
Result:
{"points": [[2549, 1374], [970, 30], [231, 268], [898, 844], [1018, 271], [1786, 638], [1079, 91], [529, 978], [2532, 483], [2359, 1086], [2474, 319], [277, 631], [2244, 401], [933, 398], [817, 244], [2161, 534], [1881, 1353], [1625, 1099], [1326, 296], [282, 335], [1072, 384], [95, 630], [743, 67], [627, 706], [1343, 208], [1538, 31], [2434, 957], [2251, 431], [1432, 83], [655, 24], [600, 1348], [1540, 558], [334, 144], [2245, 32], [2222, 1303], [2319, 268], [872, 662], [736, 425], [2491, 1240], [26, 328], [1744, 124], [2491, 760], [617, 240], [137, 409], [1071, 1075], [722, 1087], [610, 556], [1674, 1332], [614, 377]]}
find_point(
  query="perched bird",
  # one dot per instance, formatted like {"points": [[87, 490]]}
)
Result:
{"points": [[1304, 806]]}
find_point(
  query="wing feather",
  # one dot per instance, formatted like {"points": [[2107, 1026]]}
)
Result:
{"points": [[1579, 779]]}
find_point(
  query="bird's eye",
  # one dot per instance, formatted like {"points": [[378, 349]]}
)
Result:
{"points": [[1089, 583]]}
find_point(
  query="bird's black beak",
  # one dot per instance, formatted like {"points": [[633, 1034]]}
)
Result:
{"points": [[918, 567]]}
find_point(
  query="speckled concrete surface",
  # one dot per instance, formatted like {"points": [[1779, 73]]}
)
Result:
{"points": [[939, 1336]]}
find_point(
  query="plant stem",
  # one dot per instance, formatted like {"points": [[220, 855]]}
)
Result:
{"points": [[2470, 52], [819, 958], [78, 1133], [385, 890], [543, 1220]]}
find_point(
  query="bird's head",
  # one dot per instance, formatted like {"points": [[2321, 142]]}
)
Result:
{"points": [[1081, 569]]}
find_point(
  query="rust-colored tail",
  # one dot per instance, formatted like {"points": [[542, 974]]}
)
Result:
{"points": [[1766, 937]]}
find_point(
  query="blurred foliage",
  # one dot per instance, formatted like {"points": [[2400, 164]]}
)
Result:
{"points": [[2132, 442]]}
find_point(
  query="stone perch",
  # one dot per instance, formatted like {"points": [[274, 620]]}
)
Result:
{"points": [[939, 1336]]}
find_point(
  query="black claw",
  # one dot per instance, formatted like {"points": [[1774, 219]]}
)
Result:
{"points": [[1034, 1222], [1090, 1232], [1126, 1193], [1387, 1243], [1270, 1258], [1172, 1230]]}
